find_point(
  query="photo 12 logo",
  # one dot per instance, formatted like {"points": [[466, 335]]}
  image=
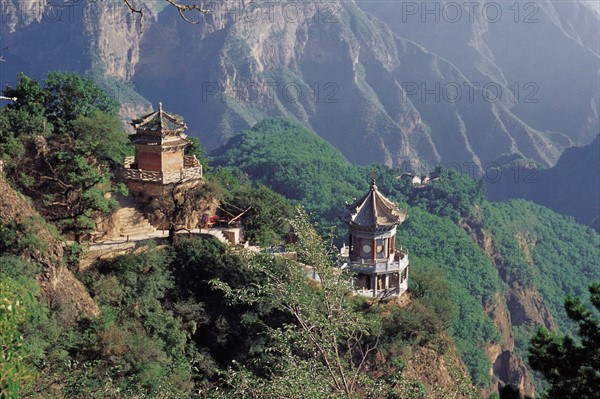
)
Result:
{"points": [[113, 12], [454, 92], [270, 92], [469, 11], [492, 172]]}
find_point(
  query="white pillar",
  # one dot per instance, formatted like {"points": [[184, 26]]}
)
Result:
{"points": [[374, 284], [400, 282]]}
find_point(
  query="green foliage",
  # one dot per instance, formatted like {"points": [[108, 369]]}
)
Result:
{"points": [[14, 371], [451, 195], [100, 135], [535, 246], [439, 240], [57, 141], [294, 161], [430, 312], [24, 117], [200, 317], [266, 219], [20, 238], [196, 149], [139, 341], [17, 268], [571, 367], [70, 96], [329, 339], [222, 332], [179, 203]]}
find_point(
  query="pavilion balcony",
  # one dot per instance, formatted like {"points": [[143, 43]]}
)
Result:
{"points": [[192, 170], [399, 263]]}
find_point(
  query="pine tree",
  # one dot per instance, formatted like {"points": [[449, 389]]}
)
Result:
{"points": [[571, 367]]}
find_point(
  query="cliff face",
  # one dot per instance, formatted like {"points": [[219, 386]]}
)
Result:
{"points": [[340, 72], [517, 306], [59, 286], [356, 81], [507, 366], [441, 372], [537, 53]]}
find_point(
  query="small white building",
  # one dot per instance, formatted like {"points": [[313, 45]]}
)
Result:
{"points": [[381, 269]]}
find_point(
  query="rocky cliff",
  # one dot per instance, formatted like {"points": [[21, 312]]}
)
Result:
{"points": [[63, 292], [518, 305], [401, 91]]}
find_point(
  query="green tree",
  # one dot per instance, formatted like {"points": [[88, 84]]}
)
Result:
{"points": [[100, 136], [196, 149], [179, 203], [430, 312], [322, 354], [58, 141], [69, 96], [267, 213], [571, 367], [450, 195]]}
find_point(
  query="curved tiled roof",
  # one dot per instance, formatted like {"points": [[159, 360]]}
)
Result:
{"points": [[373, 210], [158, 121]]}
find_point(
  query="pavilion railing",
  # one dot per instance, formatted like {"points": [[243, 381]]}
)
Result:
{"points": [[178, 176]]}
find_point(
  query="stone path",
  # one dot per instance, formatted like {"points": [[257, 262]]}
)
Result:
{"points": [[110, 248]]}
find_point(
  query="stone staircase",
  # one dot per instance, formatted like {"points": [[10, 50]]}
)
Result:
{"points": [[217, 234], [131, 221]]}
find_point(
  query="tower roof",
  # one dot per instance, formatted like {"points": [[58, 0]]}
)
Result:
{"points": [[158, 121], [373, 210]]}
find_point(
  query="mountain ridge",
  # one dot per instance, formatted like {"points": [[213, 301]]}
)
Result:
{"points": [[571, 187], [239, 66]]}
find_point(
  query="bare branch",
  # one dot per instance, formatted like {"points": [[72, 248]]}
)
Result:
{"points": [[135, 11], [182, 8]]}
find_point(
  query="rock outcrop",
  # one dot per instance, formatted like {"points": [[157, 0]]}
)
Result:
{"points": [[517, 306], [59, 286]]}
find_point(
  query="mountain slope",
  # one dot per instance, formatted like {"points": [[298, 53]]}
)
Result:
{"points": [[510, 264], [359, 84], [23, 232], [540, 54], [571, 187]]}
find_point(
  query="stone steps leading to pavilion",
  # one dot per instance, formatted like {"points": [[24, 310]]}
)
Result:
{"points": [[132, 222], [137, 231]]}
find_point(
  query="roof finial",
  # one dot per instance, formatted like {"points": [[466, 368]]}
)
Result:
{"points": [[160, 106], [373, 178]]}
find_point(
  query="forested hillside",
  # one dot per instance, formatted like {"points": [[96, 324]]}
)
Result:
{"points": [[198, 319], [516, 256]]}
